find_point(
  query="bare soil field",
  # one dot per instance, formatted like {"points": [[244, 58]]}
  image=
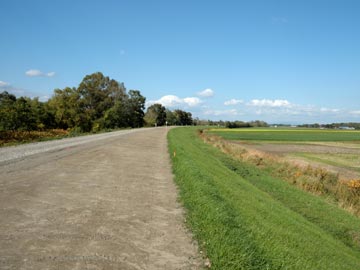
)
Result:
{"points": [[289, 151], [104, 204]]}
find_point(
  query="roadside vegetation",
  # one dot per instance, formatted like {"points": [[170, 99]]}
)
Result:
{"points": [[246, 218], [97, 104], [18, 136]]}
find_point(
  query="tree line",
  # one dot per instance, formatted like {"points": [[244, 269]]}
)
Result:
{"points": [[354, 125], [98, 103]]}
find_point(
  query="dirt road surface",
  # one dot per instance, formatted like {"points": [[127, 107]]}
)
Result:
{"points": [[108, 203]]}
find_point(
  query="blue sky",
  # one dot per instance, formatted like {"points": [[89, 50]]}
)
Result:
{"points": [[278, 61]]}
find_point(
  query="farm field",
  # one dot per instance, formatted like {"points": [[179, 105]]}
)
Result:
{"points": [[245, 218], [289, 134], [336, 150]]}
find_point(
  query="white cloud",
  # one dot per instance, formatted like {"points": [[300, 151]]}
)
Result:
{"points": [[232, 112], [327, 110], [38, 73], [206, 93], [50, 74], [168, 101], [44, 98], [3, 84], [355, 112], [270, 103], [175, 101], [192, 101], [233, 102]]}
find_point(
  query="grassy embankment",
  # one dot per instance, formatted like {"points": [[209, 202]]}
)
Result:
{"points": [[244, 218]]}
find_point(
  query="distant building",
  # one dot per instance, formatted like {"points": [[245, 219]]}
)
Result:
{"points": [[346, 128]]}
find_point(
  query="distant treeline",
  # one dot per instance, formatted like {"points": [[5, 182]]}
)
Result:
{"points": [[333, 125], [98, 103], [231, 124]]}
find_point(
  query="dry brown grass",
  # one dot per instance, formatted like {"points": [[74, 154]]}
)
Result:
{"points": [[316, 180], [14, 137]]}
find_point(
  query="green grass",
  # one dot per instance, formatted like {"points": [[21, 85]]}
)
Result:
{"points": [[287, 135], [245, 219]]}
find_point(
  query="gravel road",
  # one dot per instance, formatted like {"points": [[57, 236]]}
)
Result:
{"points": [[104, 201], [21, 151]]}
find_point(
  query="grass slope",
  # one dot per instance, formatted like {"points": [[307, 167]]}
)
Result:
{"points": [[245, 219]]}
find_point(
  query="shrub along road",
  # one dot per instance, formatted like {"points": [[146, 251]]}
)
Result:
{"points": [[109, 203]]}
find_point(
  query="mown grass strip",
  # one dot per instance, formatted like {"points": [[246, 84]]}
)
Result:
{"points": [[243, 226]]}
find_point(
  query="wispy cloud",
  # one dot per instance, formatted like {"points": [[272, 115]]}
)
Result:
{"points": [[233, 102], [2, 84], [172, 101], [5, 86], [355, 112], [270, 103], [329, 110], [224, 113], [38, 73], [206, 93], [192, 101]]}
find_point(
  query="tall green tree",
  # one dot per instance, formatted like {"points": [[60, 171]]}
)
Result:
{"points": [[117, 116], [64, 105], [183, 118], [8, 112], [43, 114], [170, 118], [155, 115], [98, 94], [25, 116], [136, 106]]}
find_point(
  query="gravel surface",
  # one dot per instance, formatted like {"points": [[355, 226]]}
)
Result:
{"points": [[109, 203], [21, 151]]}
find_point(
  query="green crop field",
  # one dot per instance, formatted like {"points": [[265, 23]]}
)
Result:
{"points": [[288, 135], [243, 218]]}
